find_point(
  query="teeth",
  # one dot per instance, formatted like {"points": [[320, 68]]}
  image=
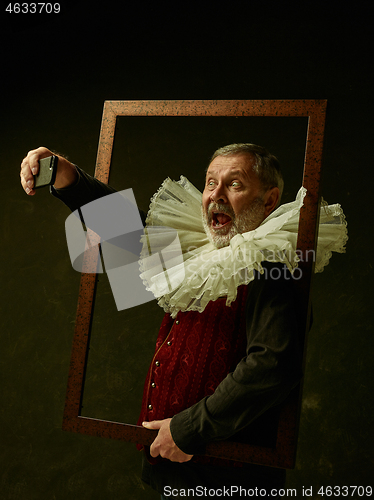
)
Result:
{"points": [[215, 223]]}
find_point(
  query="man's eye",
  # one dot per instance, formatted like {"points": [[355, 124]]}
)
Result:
{"points": [[235, 184]]}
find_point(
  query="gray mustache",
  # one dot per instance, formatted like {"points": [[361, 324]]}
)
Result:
{"points": [[219, 207]]}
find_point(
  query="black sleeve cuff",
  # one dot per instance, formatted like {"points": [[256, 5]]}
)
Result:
{"points": [[184, 436]]}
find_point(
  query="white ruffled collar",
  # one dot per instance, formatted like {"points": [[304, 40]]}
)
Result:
{"points": [[185, 271]]}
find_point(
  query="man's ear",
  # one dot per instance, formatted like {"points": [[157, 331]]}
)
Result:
{"points": [[271, 198]]}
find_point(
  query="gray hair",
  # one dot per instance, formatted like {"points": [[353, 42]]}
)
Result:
{"points": [[267, 166]]}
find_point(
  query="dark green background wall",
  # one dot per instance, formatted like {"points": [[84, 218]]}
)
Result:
{"points": [[56, 74]]}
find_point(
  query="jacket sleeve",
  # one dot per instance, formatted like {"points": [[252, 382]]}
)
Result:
{"points": [[85, 190], [263, 378]]}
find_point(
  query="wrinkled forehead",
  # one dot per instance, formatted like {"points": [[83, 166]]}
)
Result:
{"points": [[240, 164]]}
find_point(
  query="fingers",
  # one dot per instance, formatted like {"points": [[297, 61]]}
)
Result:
{"points": [[30, 167], [155, 424], [157, 445], [164, 444]]}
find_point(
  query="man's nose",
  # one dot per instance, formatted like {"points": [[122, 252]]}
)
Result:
{"points": [[218, 195]]}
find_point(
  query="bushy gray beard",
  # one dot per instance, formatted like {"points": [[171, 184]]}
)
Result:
{"points": [[249, 219]]}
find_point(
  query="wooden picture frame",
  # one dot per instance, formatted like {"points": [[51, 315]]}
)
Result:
{"points": [[284, 453]]}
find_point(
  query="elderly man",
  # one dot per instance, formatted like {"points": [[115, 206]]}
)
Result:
{"points": [[220, 372]]}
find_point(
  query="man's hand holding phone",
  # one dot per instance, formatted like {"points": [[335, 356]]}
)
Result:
{"points": [[41, 167]]}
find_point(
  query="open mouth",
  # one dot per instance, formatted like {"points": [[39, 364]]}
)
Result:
{"points": [[220, 219]]}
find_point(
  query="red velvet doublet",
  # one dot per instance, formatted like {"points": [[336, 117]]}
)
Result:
{"points": [[194, 352]]}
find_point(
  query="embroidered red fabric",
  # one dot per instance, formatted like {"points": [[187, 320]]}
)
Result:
{"points": [[194, 352]]}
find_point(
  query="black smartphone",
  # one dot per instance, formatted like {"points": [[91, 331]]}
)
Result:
{"points": [[47, 172]]}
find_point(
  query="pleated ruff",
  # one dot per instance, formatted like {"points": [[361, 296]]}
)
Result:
{"points": [[185, 272]]}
